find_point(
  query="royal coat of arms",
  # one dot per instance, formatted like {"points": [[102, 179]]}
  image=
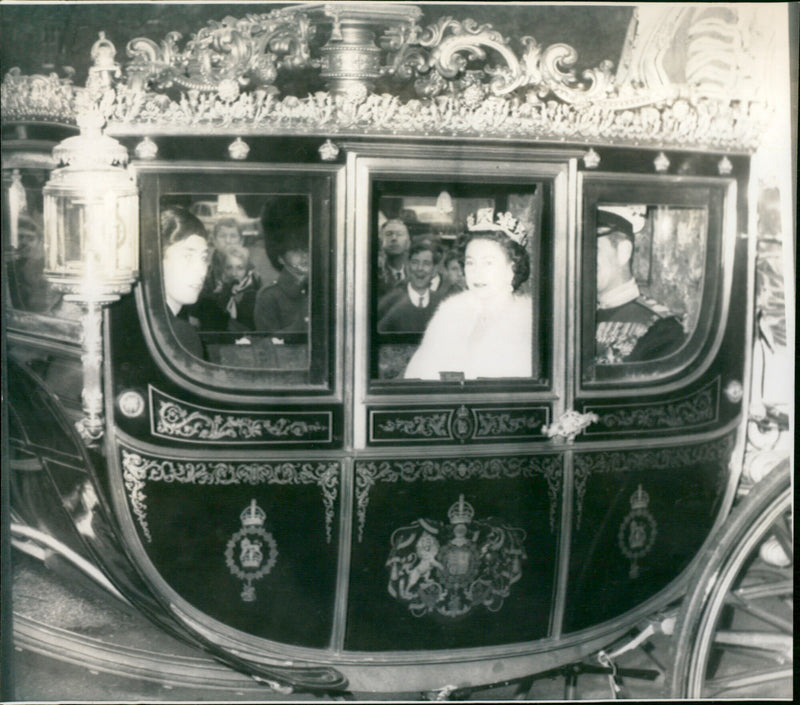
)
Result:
{"points": [[451, 568]]}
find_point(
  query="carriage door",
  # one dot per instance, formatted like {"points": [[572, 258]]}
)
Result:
{"points": [[659, 381], [442, 448]]}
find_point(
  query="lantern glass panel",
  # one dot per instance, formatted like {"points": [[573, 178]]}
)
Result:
{"points": [[93, 237], [73, 215]]}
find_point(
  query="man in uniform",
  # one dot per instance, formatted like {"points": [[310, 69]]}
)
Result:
{"points": [[630, 328]]}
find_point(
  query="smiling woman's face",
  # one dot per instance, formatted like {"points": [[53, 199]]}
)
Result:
{"points": [[487, 268]]}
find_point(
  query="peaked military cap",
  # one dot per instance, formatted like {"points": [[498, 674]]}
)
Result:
{"points": [[608, 222]]}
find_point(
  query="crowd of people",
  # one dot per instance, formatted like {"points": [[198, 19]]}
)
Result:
{"points": [[231, 297]]}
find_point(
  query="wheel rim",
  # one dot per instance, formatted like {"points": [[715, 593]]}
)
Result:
{"points": [[744, 640]]}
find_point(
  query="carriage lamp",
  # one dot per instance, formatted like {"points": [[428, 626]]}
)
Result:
{"points": [[91, 225]]}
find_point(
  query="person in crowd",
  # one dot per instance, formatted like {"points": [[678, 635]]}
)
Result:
{"points": [[185, 259], [27, 285], [453, 271], [393, 255], [408, 307], [629, 327], [486, 330], [227, 233], [212, 316], [283, 307], [240, 285]]}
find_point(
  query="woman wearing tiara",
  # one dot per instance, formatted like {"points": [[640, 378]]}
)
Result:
{"points": [[485, 331]]}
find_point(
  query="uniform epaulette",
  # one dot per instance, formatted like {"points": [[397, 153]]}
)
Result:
{"points": [[659, 309]]}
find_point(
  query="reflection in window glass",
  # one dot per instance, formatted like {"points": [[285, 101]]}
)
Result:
{"points": [[251, 307], [23, 243], [453, 295], [650, 264]]}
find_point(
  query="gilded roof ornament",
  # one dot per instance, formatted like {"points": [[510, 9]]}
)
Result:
{"points": [[470, 81]]}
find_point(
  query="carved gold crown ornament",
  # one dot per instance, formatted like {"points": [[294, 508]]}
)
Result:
{"points": [[469, 80]]}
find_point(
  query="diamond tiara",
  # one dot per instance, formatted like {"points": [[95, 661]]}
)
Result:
{"points": [[484, 219]]}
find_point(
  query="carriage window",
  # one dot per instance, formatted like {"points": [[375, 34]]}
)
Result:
{"points": [[237, 278], [456, 281], [650, 262], [23, 243], [236, 271], [650, 277]]}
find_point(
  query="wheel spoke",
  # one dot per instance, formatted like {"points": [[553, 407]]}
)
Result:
{"points": [[752, 654], [718, 685], [758, 592], [768, 641], [764, 615]]}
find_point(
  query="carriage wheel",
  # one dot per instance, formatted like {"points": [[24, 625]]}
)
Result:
{"points": [[733, 637]]}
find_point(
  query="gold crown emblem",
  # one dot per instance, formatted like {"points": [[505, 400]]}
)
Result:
{"points": [[640, 499], [485, 219], [461, 512], [253, 515]]}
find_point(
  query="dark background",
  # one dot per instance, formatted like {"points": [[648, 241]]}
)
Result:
{"points": [[41, 38]]}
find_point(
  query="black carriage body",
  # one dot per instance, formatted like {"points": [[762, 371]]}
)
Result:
{"points": [[340, 462], [275, 502]]}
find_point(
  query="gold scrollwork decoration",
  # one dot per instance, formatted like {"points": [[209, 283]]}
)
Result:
{"points": [[690, 411], [176, 421], [587, 464], [38, 97], [368, 473], [469, 78], [137, 470], [224, 56], [426, 425], [503, 423], [444, 49]]}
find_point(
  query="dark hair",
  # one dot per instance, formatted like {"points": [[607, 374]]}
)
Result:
{"points": [[426, 244], [177, 224], [516, 253], [453, 255], [286, 241]]}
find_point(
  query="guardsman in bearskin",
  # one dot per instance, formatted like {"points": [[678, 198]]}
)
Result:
{"points": [[630, 327]]}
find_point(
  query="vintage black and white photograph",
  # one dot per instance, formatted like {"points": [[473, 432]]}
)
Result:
{"points": [[394, 351]]}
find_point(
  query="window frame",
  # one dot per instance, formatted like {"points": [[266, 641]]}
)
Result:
{"points": [[503, 167], [320, 183], [718, 197]]}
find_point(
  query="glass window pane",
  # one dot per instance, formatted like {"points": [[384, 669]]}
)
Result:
{"points": [[650, 265], [456, 281], [240, 295]]}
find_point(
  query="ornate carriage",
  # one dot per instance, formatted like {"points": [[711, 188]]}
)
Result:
{"points": [[289, 500]]}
